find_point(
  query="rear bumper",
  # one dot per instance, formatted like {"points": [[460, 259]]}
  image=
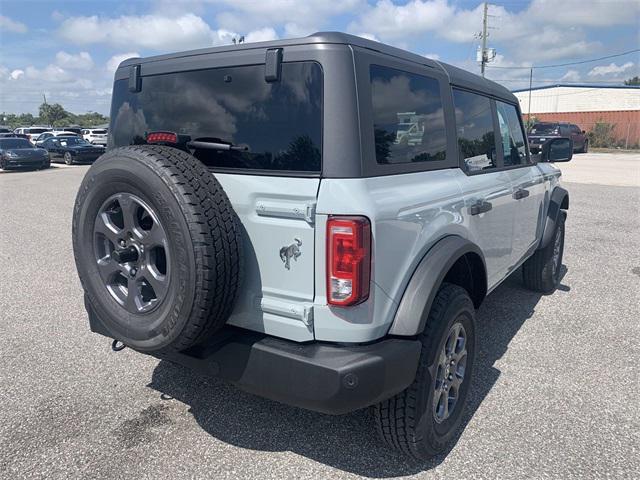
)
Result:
{"points": [[325, 378]]}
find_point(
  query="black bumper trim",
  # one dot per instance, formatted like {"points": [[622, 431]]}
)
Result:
{"points": [[327, 378], [333, 379]]}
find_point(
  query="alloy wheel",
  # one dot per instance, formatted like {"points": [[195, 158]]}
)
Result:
{"points": [[450, 373], [132, 253]]}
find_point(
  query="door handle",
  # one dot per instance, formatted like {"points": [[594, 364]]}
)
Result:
{"points": [[521, 193], [480, 207]]}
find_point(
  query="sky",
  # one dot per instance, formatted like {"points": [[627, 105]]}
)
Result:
{"points": [[69, 50]]}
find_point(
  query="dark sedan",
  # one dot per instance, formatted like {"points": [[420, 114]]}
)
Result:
{"points": [[20, 153], [71, 150]]}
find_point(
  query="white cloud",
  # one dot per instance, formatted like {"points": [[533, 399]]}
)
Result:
{"points": [[261, 35], [16, 74], [611, 69], [13, 26], [146, 31], [571, 76], [81, 61], [389, 20], [368, 36], [300, 18], [153, 32], [113, 62], [432, 56]]}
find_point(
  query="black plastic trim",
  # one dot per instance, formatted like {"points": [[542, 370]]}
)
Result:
{"points": [[553, 210], [323, 377], [411, 316]]}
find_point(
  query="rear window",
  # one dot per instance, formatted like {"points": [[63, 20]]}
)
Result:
{"points": [[10, 143], [279, 123], [545, 129], [33, 131], [408, 119], [97, 132]]}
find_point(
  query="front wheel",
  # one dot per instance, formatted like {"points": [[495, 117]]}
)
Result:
{"points": [[422, 420], [68, 159]]}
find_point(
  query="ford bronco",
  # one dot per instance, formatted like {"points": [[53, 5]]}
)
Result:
{"points": [[316, 220]]}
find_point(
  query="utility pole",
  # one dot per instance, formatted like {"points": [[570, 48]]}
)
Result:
{"points": [[485, 57], [530, 86]]}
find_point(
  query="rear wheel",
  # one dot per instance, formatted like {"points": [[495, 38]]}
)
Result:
{"points": [[542, 271], [422, 420], [157, 247], [68, 159]]}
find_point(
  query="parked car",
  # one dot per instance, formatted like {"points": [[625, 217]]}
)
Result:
{"points": [[31, 132], [295, 245], [97, 136], [73, 128], [20, 153], [4, 129], [71, 149], [60, 133], [541, 132]]}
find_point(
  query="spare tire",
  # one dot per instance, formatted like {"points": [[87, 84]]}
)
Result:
{"points": [[157, 246]]}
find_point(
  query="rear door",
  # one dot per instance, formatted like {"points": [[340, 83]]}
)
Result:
{"points": [[526, 178], [487, 191], [270, 170]]}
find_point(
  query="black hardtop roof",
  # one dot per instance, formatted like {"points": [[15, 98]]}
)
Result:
{"points": [[457, 76]]}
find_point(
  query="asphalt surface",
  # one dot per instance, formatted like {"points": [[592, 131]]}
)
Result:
{"points": [[556, 393]]}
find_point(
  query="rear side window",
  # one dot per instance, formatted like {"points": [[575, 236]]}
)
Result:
{"points": [[279, 123], [513, 146], [408, 119], [474, 125]]}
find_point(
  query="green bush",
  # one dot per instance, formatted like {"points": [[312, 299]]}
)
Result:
{"points": [[602, 135]]}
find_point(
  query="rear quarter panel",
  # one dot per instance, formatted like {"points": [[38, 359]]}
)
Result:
{"points": [[408, 214]]}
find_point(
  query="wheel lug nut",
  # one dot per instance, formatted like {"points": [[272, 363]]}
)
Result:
{"points": [[133, 272], [122, 243], [450, 377]]}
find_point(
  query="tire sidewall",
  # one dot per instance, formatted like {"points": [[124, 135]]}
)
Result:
{"points": [[114, 173], [439, 434], [68, 159]]}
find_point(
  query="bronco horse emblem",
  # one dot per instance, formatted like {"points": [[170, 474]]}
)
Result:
{"points": [[292, 251]]}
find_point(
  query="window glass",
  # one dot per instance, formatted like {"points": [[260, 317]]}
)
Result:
{"points": [[474, 124], [17, 143], [513, 146], [408, 119], [280, 123]]}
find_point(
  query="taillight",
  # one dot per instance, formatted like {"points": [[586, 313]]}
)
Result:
{"points": [[162, 137], [348, 260]]}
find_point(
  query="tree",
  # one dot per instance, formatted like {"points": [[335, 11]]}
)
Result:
{"points": [[633, 81], [52, 113]]}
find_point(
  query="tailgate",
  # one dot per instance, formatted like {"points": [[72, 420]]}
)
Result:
{"points": [[277, 213]]}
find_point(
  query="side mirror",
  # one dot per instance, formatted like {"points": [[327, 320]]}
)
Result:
{"points": [[559, 149], [583, 132]]}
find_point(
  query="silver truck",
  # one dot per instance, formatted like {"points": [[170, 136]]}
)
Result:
{"points": [[256, 218]]}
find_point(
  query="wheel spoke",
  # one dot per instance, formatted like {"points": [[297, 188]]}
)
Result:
{"points": [[159, 283], [129, 210], [132, 294], [154, 237], [103, 226], [107, 268]]}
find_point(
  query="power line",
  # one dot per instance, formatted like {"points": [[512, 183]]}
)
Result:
{"points": [[570, 63]]}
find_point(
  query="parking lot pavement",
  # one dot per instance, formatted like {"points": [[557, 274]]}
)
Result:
{"points": [[556, 393], [621, 169]]}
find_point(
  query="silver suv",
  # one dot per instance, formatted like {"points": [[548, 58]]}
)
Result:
{"points": [[316, 220]]}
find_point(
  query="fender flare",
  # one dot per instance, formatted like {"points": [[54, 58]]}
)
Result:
{"points": [[415, 305], [559, 201]]}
